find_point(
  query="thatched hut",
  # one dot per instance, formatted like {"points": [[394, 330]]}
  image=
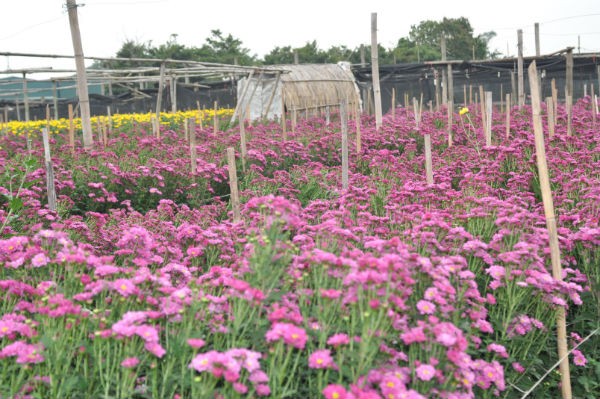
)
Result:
{"points": [[307, 88]]}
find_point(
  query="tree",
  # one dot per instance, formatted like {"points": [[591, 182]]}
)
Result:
{"points": [[227, 49], [460, 42]]}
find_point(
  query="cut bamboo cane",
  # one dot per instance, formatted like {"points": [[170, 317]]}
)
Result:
{"points": [[50, 187], [550, 113], [488, 118], [428, 161], [551, 226], [344, 127], [450, 121], [243, 149], [358, 132], [191, 122], [508, 108], [233, 185], [569, 115]]}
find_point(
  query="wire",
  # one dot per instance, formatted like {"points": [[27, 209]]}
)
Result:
{"points": [[571, 17], [31, 27]]}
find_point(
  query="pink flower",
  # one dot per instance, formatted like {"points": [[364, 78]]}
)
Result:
{"points": [[240, 388], [291, 334], [155, 348], [578, 358], [518, 367], [321, 359], [124, 287], [130, 362], [334, 391], [425, 307], [499, 349], [39, 260], [154, 190], [338, 339], [425, 372], [262, 390], [196, 343]]}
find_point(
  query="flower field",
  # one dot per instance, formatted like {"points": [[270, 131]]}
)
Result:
{"points": [[140, 285]]}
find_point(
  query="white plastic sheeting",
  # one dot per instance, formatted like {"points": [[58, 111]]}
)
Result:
{"points": [[257, 96]]}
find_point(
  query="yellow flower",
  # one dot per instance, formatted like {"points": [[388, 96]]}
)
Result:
{"points": [[463, 110]]}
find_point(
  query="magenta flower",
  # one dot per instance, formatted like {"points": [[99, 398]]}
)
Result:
{"points": [[338, 339], [334, 391], [425, 372], [130, 362], [291, 334], [124, 287], [578, 358], [425, 307], [321, 359], [196, 343]]}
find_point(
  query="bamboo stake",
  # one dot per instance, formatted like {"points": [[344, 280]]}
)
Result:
{"points": [[470, 94], [551, 226], [482, 106], [594, 105], [375, 71], [508, 108], [521, 87], [428, 161], [344, 127], [50, 187], [191, 122], [159, 96], [393, 102], [464, 95], [450, 122], [555, 100], [358, 132], [186, 131], [71, 129], [550, 113], [215, 120], [569, 115], [488, 118], [233, 185], [243, 149]]}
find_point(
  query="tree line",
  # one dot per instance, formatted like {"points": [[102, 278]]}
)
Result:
{"points": [[422, 44]]}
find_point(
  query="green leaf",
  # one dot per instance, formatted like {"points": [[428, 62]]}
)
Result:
{"points": [[15, 204]]}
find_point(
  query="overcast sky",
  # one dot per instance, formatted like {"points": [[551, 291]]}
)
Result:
{"points": [[42, 27]]}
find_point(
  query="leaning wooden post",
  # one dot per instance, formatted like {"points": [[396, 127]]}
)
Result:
{"points": [[550, 113], [450, 121], [233, 185], [508, 108], [358, 133], [344, 127], [243, 149], [488, 118], [51, 189], [375, 71], [561, 326], [191, 122]]}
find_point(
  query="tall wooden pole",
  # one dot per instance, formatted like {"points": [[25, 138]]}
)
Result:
{"points": [[450, 85], [444, 77], [233, 185], [561, 327], [569, 72], [50, 187], [344, 128], [161, 83], [488, 118], [25, 97], [521, 87], [536, 28], [55, 98], [375, 71], [82, 86]]}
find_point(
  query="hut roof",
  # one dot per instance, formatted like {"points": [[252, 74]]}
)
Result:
{"points": [[309, 86]]}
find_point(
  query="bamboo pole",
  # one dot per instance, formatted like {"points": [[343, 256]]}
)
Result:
{"points": [[594, 104], [569, 115], [375, 71], [272, 96], [464, 95], [55, 99], [428, 161], [444, 75], [233, 185], [159, 96], [552, 229], [508, 109], [243, 149], [358, 132], [191, 122], [50, 187], [344, 127], [450, 121], [488, 118], [554, 99], [215, 119], [550, 113], [82, 86], [470, 94], [521, 87], [393, 103], [450, 84], [71, 129], [482, 106]]}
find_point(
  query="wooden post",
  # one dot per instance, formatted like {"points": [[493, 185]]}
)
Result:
{"points": [[393, 102], [569, 115], [594, 104], [233, 185], [110, 124], [430, 104], [470, 94], [450, 121], [438, 89], [25, 97], [444, 76], [464, 95], [552, 229], [569, 73], [521, 87], [550, 115], [272, 95], [186, 130], [536, 28], [375, 71], [344, 127], [508, 109], [215, 119], [71, 129], [513, 88], [55, 98], [482, 106], [173, 94], [50, 187], [82, 86], [501, 98], [159, 96], [416, 112], [358, 133], [555, 99], [450, 84], [155, 127], [428, 161], [191, 122], [243, 149], [488, 118]]}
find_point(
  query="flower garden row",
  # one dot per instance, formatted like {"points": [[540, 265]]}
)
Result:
{"points": [[141, 286]]}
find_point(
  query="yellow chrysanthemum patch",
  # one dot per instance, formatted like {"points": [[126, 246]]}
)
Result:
{"points": [[118, 121], [463, 110]]}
